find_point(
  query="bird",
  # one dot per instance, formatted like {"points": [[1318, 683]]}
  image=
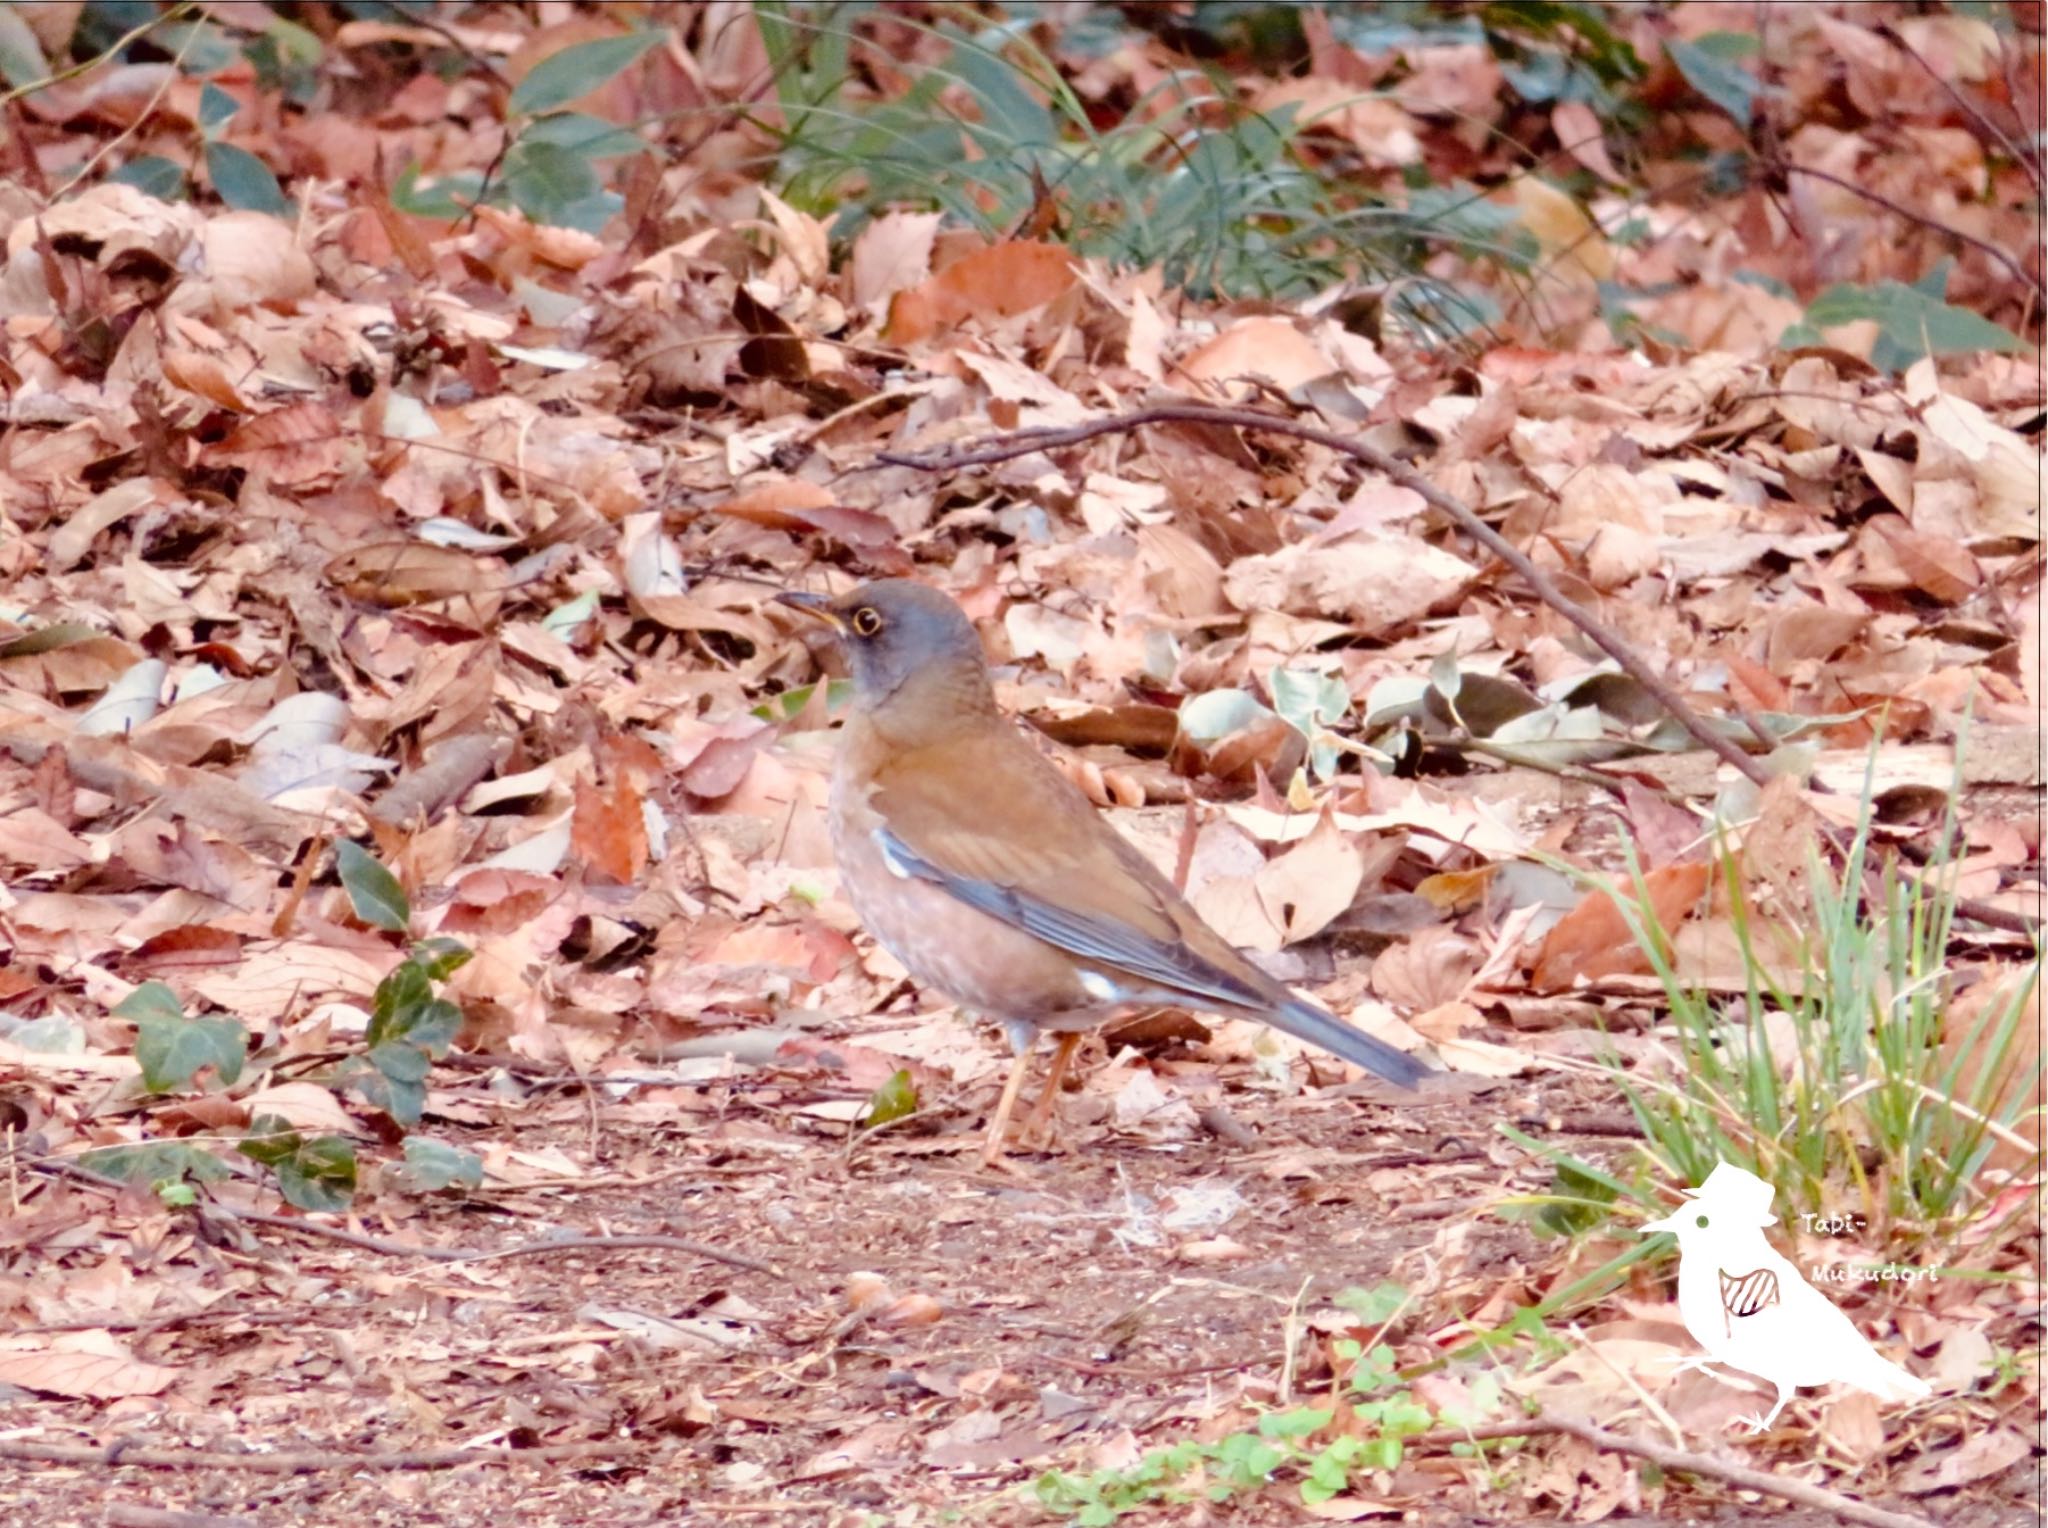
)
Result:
{"points": [[1751, 1309], [986, 872]]}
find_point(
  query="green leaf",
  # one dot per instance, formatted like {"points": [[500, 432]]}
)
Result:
{"points": [[1298, 1423], [400, 1061], [151, 1000], [243, 181], [1911, 323], [1215, 714], [155, 1162], [548, 182], [270, 1140], [1710, 71], [21, 56], [445, 197], [591, 137], [373, 891], [441, 957], [894, 1099], [575, 71], [397, 998], [53, 1035], [403, 1101], [563, 620], [1375, 1306], [1308, 701], [320, 1175], [433, 1025], [432, 1166], [152, 175], [216, 108], [172, 1051]]}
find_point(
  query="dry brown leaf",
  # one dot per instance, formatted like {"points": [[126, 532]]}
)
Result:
{"points": [[91, 1365], [1254, 350]]}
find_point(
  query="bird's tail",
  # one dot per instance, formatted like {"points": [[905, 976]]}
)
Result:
{"points": [[1305, 1021], [1884, 1379]]}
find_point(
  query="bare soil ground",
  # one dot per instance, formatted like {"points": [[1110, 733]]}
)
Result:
{"points": [[1075, 1311]]}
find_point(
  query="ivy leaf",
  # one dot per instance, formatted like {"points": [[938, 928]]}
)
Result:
{"points": [[151, 1000], [270, 1140], [155, 1163], [372, 890], [432, 1166], [172, 1051], [320, 1175], [404, 1101]]}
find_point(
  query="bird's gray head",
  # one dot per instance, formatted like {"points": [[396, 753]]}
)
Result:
{"points": [[914, 654]]}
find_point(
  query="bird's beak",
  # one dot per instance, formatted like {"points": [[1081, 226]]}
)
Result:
{"points": [[1652, 1227], [817, 606]]}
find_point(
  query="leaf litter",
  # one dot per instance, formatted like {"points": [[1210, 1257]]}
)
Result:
{"points": [[458, 539]]}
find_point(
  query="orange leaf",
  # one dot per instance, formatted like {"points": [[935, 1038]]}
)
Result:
{"points": [[609, 832], [998, 282], [1593, 939]]}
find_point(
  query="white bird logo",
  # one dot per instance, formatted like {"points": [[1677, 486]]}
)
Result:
{"points": [[1752, 1310]]}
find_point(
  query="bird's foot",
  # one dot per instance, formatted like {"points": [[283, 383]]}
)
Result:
{"points": [[1753, 1424], [996, 1161], [1687, 1363]]}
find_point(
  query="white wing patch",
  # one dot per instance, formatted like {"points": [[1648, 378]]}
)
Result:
{"points": [[886, 842], [1099, 987]]}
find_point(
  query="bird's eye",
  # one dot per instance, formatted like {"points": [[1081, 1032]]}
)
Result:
{"points": [[1700, 1221], [867, 621]]}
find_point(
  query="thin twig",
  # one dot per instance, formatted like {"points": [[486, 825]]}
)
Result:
{"points": [[524, 1249], [1847, 1508], [1023, 442], [474, 56], [73, 71], [163, 87], [1877, 198], [385, 1248], [305, 1461], [2028, 160]]}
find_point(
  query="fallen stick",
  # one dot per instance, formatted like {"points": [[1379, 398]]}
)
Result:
{"points": [[379, 1245], [305, 1461], [1743, 1478], [1004, 448]]}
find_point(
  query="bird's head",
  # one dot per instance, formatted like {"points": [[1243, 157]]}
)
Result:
{"points": [[915, 659], [1732, 1202], [1690, 1223]]}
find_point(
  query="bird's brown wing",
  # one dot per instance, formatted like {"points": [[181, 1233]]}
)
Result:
{"points": [[1000, 828]]}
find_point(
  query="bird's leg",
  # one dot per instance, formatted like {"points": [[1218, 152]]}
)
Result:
{"points": [[1758, 1424], [999, 1122], [1037, 1129]]}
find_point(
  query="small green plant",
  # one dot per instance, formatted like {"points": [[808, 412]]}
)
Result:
{"points": [[1833, 1082], [409, 1028], [1381, 1415], [1220, 197]]}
